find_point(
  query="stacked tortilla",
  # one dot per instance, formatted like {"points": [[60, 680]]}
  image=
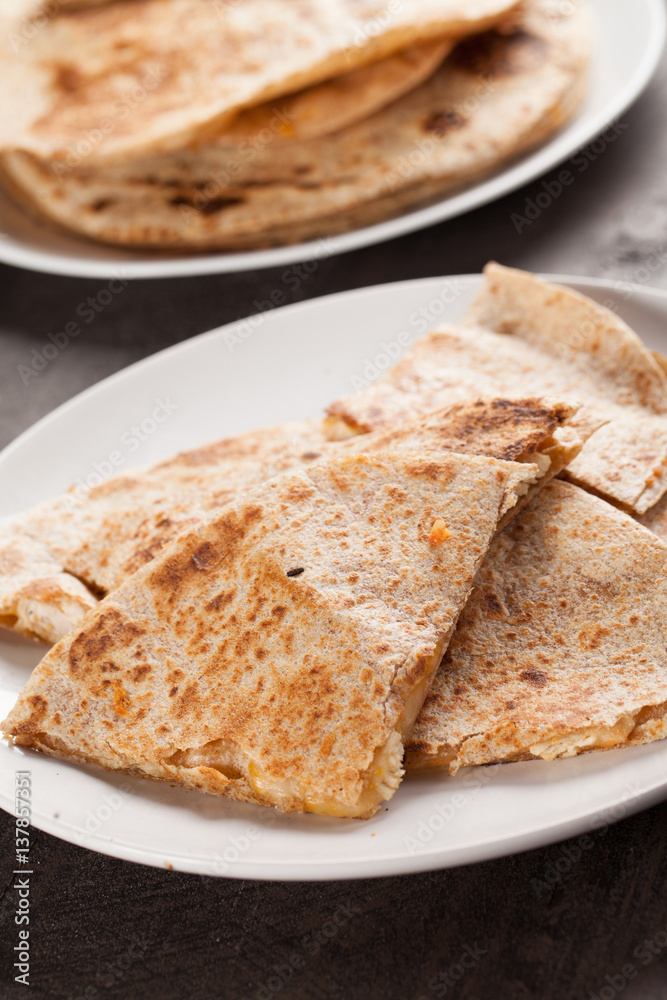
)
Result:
{"points": [[278, 604], [181, 124]]}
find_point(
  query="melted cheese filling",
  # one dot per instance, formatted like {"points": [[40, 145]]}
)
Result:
{"points": [[647, 724], [598, 737], [379, 781]]}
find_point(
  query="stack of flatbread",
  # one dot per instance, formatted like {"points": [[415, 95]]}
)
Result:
{"points": [[190, 124], [442, 572]]}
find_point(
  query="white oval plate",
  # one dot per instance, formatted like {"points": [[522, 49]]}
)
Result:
{"points": [[629, 40], [283, 365]]}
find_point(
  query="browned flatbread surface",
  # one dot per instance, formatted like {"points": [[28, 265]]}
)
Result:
{"points": [[277, 652], [145, 75], [561, 647], [498, 94], [57, 559], [523, 332]]}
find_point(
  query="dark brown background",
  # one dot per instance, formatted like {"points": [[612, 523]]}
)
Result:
{"points": [[109, 929]]}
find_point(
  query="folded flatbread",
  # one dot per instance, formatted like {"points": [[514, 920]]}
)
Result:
{"points": [[561, 647], [59, 558], [277, 652], [136, 76], [525, 334], [335, 104], [498, 94]]}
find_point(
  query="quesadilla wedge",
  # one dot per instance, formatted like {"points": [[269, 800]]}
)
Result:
{"points": [[59, 558], [278, 652], [498, 94], [523, 332], [560, 649], [140, 76]]}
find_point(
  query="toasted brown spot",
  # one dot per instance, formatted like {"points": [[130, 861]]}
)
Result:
{"points": [[67, 78], [218, 204], [188, 702], [220, 601], [591, 636], [534, 676], [208, 207], [95, 642], [493, 55], [230, 531], [109, 667], [206, 556], [139, 673], [491, 604], [428, 469], [442, 122], [297, 492], [39, 703]]}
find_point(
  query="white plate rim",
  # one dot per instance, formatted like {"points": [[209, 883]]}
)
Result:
{"points": [[556, 151], [339, 869]]}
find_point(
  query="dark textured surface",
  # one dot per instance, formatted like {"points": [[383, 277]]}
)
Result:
{"points": [[541, 925]]}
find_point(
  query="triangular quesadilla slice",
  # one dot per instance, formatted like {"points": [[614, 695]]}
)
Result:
{"points": [[560, 649], [58, 559], [523, 332], [278, 652]]}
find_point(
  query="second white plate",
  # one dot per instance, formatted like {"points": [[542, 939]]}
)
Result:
{"points": [[629, 38]]}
